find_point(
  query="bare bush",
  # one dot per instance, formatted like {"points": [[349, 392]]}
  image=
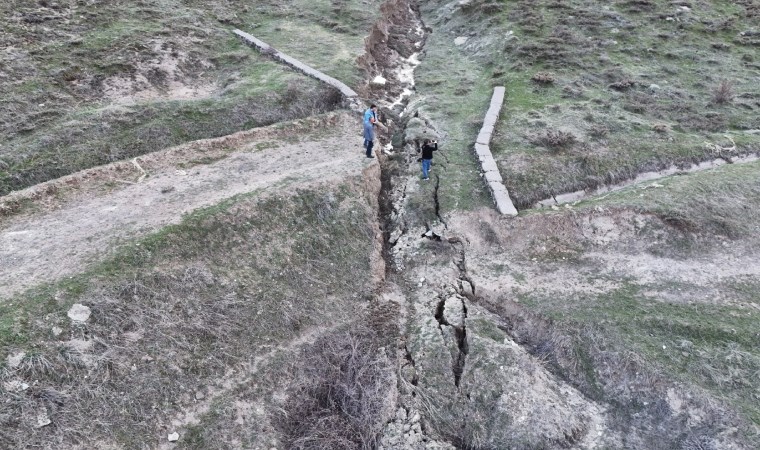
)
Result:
{"points": [[339, 396], [660, 128], [623, 85], [543, 78], [723, 93], [598, 131], [555, 139]]}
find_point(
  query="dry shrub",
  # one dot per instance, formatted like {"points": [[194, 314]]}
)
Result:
{"points": [[721, 46], [640, 5], [623, 85], [339, 395], [598, 131], [555, 139], [544, 78], [723, 93]]}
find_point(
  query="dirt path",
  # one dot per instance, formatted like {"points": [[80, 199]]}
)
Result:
{"points": [[51, 245]]}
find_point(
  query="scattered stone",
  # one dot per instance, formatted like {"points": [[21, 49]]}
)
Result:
{"points": [[378, 81], [146, 358], [56, 331], [167, 189], [200, 395], [15, 360], [654, 87], [174, 437], [79, 313], [42, 419], [15, 386], [460, 40], [466, 290]]}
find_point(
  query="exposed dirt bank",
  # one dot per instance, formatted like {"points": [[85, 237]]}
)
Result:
{"points": [[49, 245]]}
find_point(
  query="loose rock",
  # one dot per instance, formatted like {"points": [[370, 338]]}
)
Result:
{"points": [[79, 313], [15, 360], [42, 419]]}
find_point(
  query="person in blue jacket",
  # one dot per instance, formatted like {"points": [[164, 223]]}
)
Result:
{"points": [[370, 119]]}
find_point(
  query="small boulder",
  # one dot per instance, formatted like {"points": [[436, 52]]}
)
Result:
{"points": [[79, 313], [460, 40], [15, 360], [42, 419], [174, 437], [378, 81]]}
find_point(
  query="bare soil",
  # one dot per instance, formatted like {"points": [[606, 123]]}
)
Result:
{"points": [[51, 244]]}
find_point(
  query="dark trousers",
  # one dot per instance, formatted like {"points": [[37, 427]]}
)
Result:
{"points": [[369, 145]]}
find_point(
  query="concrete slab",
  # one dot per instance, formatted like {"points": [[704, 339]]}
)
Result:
{"points": [[489, 165], [296, 64], [504, 203], [493, 176], [484, 137], [482, 149]]}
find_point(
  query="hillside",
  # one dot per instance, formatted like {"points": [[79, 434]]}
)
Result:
{"points": [[195, 252]]}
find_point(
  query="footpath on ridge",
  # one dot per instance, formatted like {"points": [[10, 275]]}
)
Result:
{"points": [[49, 245]]}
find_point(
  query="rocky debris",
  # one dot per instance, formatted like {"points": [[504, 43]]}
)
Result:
{"points": [[405, 433], [460, 40], [15, 360], [15, 386], [505, 398], [173, 437], [453, 311], [79, 313], [378, 81], [56, 331]]}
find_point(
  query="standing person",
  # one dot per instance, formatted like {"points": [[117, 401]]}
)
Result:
{"points": [[428, 147], [370, 119]]}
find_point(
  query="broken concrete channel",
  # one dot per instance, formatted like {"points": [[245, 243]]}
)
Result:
{"points": [[488, 165], [267, 49]]}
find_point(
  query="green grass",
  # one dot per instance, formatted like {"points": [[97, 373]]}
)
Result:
{"points": [[58, 120], [589, 48], [723, 200], [455, 92], [712, 346]]}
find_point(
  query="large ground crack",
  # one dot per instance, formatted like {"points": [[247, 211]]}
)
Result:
{"points": [[437, 201], [451, 315]]}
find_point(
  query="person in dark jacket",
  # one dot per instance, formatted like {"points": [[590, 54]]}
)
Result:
{"points": [[428, 147]]}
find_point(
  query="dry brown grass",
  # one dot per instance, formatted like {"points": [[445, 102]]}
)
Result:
{"points": [[555, 140], [543, 78], [723, 93], [175, 314], [339, 399]]}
